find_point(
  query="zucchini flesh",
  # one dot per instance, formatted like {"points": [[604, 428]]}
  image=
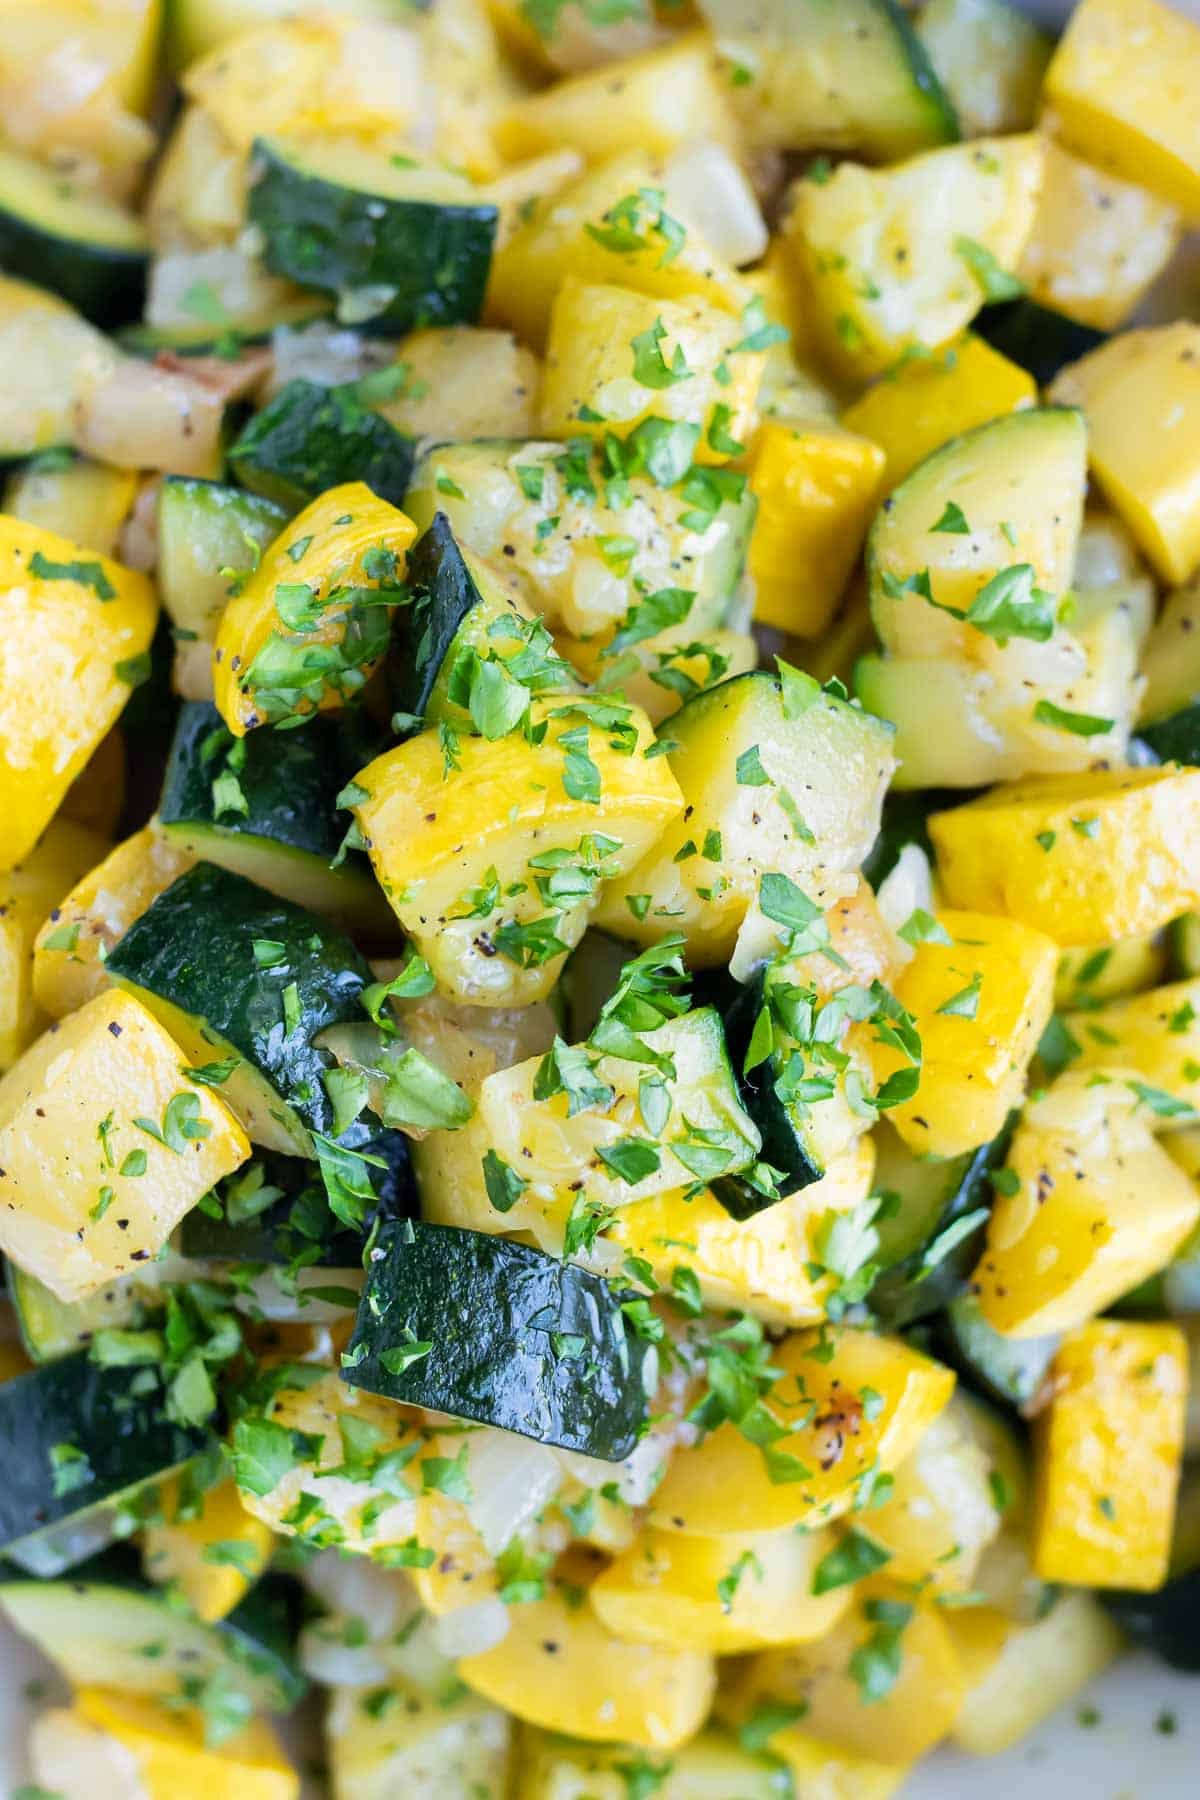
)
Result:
{"points": [[205, 527], [516, 1338], [401, 248], [1009, 1369], [934, 1194], [93, 253], [75, 1437], [191, 958], [310, 438]]}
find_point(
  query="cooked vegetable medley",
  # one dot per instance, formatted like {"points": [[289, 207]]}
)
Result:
{"points": [[600, 797]]}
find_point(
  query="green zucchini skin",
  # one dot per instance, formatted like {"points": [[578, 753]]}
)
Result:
{"points": [[1168, 1622], [300, 1221], [902, 1295], [103, 1412], [519, 1339], [103, 282], [194, 948], [1011, 1370], [423, 634], [1175, 738], [1036, 337], [782, 1144], [434, 256], [310, 438]]}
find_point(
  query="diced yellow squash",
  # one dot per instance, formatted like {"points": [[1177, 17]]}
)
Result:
{"points": [[989, 58], [722, 1485], [28, 894], [85, 1192], [915, 409], [1097, 242], [1038, 1669], [80, 930], [1120, 88], [561, 1668], [601, 336], [305, 671], [943, 1509], [173, 1758], [396, 1739], [816, 487], [1154, 1036], [1108, 971], [86, 501], [1097, 1207], [213, 1557], [822, 1771], [653, 102], [981, 1002], [1132, 864], [1108, 1451], [602, 229], [74, 628], [893, 257], [464, 383], [1140, 393], [96, 797], [434, 834], [893, 1726], [766, 1265], [833, 761], [389, 1519]]}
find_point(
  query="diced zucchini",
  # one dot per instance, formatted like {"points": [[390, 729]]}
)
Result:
{"points": [[712, 1767], [204, 530], [1035, 337], [51, 1327], [797, 796], [502, 500], [82, 500], [989, 58], [393, 1740], [1154, 1036], [400, 246], [309, 438], [1086, 976], [78, 244], [1009, 1369], [932, 1195], [852, 77], [899, 257]]}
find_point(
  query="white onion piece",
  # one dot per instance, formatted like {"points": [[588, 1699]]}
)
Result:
{"points": [[239, 287], [512, 1479], [709, 192], [326, 1657], [325, 353], [383, 1599], [904, 888], [76, 1761], [471, 1630]]}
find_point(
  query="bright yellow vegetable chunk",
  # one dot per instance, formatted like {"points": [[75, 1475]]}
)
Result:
{"points": [[1122, 89], [212, 1558], [265, 670], [914, 410], [1097, 242], [652, 102], [1098, 1207], [72, 624], [1141, 394], [27, 896], [1154, 1036], [1108, 1452], [86, 1193], [720, 1594], [763, 1264], [843, 1708], [615, 357], [435, 835], [822, 1771], [1087, 858], [561, 1668], [68, 965], [892, 256], [722, 1485], [173, 1759], [91, 499], [980, 1003], [1106, 972], [402, 1739], [816, 487], [601, 228]]}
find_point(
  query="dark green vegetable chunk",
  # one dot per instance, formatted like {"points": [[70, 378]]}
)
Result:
{"points": [[1035, 337], [931, 1226], [1008, 1369], [486, 1329], [310, 438], [1175, 738]]}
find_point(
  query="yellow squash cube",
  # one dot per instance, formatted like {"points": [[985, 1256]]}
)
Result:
{"points": [[1096, 1206], [602, 229], [724, 1595], [616, 357], [75, 628], [1087, 858], [1109, 1447], [436, 835], [894, 257], [1154, 1037], [266, 668], [173, 1757], [27, 895], [914, 409], [1087, 975], [212, 1558], [981, 1002], [80, 930], [825, 1772], [652, 102], [86, 1192], [816, 487], [561, 1668], [895, 1726], [1097, 242], [461, 383], [1141, 395], [723, 1486], [1122, 87]]}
